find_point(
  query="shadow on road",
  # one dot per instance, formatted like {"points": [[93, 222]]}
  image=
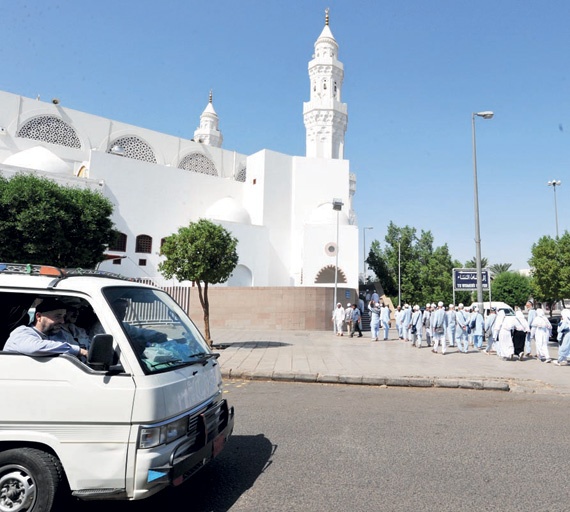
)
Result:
{"points": [[215, 488]]}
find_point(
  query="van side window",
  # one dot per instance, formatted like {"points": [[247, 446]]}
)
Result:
{"points": [[13, 313]]}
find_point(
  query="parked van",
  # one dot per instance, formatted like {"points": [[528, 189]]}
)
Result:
{"points": [[144, 410], [499, 306]]}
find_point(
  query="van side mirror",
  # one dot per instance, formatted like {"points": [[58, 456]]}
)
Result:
{"points": [[101, 352]]}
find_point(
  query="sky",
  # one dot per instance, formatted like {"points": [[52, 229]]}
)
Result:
{"points": [[415, 72]]}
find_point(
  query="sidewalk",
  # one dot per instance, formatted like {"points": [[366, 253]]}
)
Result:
{"points": [[320, 356]]}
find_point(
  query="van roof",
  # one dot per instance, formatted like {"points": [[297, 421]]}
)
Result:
{"points": [[26, 276]]}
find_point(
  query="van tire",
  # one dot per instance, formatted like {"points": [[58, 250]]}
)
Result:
{"points": [[29, 480]]}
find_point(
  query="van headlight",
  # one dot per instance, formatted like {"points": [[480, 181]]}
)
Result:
{"points": [[155, 436]]}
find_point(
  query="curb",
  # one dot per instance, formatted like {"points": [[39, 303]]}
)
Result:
{"points": [[412, 382]]}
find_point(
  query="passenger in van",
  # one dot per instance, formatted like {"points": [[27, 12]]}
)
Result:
{"points": [[70, 331], [41, 337]]}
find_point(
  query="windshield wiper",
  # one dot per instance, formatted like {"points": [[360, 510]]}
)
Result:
{"points": [[204, 357], [170, 362]]}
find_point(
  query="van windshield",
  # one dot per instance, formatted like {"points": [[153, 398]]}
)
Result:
{"points": [[161, 334]]}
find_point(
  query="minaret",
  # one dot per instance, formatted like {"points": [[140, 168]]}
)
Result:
{"points": [[208, 132], [324, 114]]}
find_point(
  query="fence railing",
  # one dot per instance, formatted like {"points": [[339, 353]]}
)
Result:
{"points": [[179, 292]]}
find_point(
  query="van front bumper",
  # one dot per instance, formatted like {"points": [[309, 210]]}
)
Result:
{"points": [[187, 459]]}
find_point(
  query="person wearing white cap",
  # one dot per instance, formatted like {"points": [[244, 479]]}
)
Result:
{"points": [[405, 320], [338, 318], [416, 327], [489, 323], [374, 309], [426, 321], [348, 317], [502, 332], [385, 319], [543, 330], [478, 328], [451, 323], [438, 323], [529, 335], [462, 319], [470, 324], [398, 318]]}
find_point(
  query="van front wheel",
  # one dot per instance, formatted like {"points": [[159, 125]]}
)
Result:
{"points": [[29, 480]]}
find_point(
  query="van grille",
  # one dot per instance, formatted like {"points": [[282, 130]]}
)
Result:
{"points": [[206, 425]]}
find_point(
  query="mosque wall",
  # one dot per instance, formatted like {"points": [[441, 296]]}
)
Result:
{"points": [[98, 134], [274, 308]]}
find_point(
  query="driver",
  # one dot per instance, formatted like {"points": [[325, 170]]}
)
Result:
{"points": [[140, 337]]}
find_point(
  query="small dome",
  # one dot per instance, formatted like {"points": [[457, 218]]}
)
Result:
{"points": [[228, 209], [324, 214], [39, 158]]}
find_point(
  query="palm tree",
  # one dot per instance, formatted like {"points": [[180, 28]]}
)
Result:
{"points": [[473, 263], [499, 268]]}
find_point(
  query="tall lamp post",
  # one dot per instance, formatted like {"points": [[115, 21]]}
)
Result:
{"points": [[487, 114], [337, 206], [364, 253], [399, 274], [554, 184]]}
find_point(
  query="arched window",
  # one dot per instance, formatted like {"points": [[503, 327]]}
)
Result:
{"points": [[134, 148], [119, 243], [197, 162], [144, 244], [50, 129], [241, 175]]}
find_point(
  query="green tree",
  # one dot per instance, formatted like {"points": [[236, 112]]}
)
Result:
{"points": [[550, 268], [426, 273], [512, 288], [436, 278], [499, 268], [204, 253], [473, 263], [42, 222]]}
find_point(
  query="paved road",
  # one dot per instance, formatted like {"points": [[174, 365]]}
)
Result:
{"points": [[338, 448], [318, 356], [343, 448]]}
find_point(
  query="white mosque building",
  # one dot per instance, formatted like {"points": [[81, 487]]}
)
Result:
{"points": [[279, 207]]}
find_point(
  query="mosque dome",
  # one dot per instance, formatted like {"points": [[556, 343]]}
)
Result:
{"points": [[39, 158], [324, 214], [229, 210]]}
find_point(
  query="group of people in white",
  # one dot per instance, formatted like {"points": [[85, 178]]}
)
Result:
{"points": [[509, 336], [349, 319]]}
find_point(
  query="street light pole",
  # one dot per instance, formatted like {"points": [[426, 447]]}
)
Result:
{"points": [[485, 115], [399, 275], [337, 206], [364, 253], [554, 184]]}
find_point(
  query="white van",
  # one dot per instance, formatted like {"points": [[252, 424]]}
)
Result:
{"points": [[499, 306], [143, 412]]}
